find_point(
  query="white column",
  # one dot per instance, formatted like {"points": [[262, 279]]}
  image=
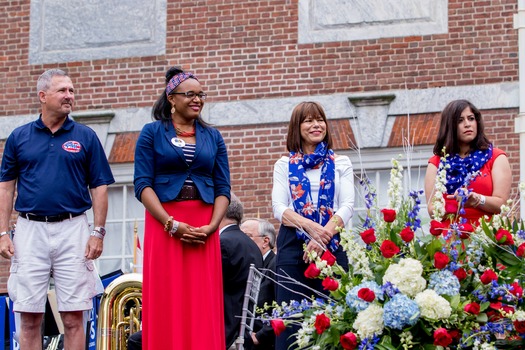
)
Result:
{"points": [[519, 126]]}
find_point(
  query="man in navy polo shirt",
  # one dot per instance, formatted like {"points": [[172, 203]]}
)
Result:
{"points": [[59, 170]]}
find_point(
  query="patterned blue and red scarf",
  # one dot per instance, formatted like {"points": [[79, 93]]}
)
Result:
{"points": [[463, 170], [300, 188]]}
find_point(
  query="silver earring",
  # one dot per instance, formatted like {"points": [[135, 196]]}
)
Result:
{"points": [[172, 109]]}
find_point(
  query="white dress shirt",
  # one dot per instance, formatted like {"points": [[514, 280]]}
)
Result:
{"points": [[344, 188]]}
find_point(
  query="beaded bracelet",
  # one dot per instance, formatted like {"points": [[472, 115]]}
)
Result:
{"points": [[167, 224]]}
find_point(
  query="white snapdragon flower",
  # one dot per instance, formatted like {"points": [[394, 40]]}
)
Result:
{"points": [[395, 185], [438, 202], [357, 257]]}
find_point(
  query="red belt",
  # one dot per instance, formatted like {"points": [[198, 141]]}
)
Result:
{"points": [[188, 192]]}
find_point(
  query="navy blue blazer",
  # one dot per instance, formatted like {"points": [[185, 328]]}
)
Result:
{"points": [[161, 165]]}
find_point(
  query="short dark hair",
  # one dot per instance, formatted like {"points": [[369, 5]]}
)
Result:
{"points": [[299, 114], [448, 129], [235, 209]]}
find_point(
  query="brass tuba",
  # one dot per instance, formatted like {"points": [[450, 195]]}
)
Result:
{"points": [[120, 312]]}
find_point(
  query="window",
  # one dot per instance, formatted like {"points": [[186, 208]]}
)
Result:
{"points": [[376, 164], [125, 220]]}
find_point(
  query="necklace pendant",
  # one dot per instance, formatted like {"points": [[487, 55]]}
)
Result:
{"points": [[178, 142]]}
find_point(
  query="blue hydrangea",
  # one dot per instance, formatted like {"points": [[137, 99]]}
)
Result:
{"points": [[400, 311], [358, 304], [444, 283]]}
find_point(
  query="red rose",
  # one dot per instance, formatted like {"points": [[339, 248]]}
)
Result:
{"points": [[488, 276], [519, 326], [321, 323], [312, 271], [389, 249], [442, 337], [348, 341], [516, 290], [461, 274], [368, 236], [521, 250], [278, 326], [504, 237], [389, 215], [465, 230], [472, 308], [330, 284], [436, 228], [328, 257], [455, 334], [508, 309], [366, 294], [451, 206], [496, 306], [407, 234], [441, 260]]}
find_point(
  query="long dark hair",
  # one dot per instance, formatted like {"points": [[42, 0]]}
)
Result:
{"points": [[448, 129], [162, 107], [299, 114]]}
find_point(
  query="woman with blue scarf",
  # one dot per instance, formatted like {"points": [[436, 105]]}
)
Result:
{"points": [[313, 195], [479, 174]]}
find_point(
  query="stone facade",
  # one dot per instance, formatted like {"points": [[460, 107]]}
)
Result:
{"points": [[371, 65]]}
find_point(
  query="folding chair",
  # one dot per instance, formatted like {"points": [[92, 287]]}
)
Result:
{"points": [[251, 295]]}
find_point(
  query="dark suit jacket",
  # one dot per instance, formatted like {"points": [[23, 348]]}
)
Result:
{"points": [[238, 252], [264, 333], [161, 165]]}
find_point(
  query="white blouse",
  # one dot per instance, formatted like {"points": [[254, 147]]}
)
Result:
{"points": [[344, 188]]}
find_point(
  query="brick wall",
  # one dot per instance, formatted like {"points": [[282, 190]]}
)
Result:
{"points": [[245, 49], [248, 49]]}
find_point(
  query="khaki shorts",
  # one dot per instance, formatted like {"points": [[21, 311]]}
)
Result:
{"points": [[44, 249]]}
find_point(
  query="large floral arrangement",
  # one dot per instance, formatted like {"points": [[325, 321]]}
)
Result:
{"points": [[449, 286]]}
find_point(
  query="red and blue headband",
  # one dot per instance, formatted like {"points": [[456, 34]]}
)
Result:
{"points": [[176, 80]]}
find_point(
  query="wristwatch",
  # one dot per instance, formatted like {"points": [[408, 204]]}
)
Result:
{"points": [[99, 232], [482, 199]]}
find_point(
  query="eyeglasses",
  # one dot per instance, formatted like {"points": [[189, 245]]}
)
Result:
{"points": [[191, 94]]}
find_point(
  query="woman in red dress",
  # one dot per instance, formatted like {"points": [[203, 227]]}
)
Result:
{"points": [[480, 169], [182, 178]]}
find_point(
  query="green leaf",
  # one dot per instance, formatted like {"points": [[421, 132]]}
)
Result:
{"points": [[482, 318]]}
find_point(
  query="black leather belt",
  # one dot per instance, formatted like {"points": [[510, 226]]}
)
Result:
{"points": [[49, 218], [188, 192]]}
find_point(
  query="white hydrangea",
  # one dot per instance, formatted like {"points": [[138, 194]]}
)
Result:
{"points": [[433, 306], [369, 322], [406, 276]]}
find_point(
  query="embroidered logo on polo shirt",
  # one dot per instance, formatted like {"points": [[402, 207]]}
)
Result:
{"points": [[72, 146]]}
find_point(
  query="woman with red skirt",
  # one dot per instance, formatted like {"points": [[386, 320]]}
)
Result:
{"points": [[183, 180]]}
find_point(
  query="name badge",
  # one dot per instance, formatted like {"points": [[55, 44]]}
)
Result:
{"points": [[178, 142]]}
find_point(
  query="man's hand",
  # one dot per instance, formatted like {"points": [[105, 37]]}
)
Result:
{"points": [[7, 249], [94, 248]]}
